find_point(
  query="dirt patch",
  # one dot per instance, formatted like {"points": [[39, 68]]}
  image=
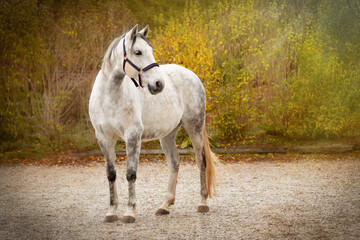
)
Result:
{"points": [[300, 199]]}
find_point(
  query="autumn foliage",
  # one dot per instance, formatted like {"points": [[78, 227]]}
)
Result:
{"points": [[284, 68], [288, 68]]}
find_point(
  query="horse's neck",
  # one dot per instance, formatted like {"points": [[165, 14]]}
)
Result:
{"points": [[112, 67], [112, 82], [112, 73]]}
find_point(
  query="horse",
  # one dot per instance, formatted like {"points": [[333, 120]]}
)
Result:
{"points": [[135, 99]]}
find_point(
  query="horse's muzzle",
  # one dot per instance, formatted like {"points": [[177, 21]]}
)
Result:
{"points": [[157, 87]]}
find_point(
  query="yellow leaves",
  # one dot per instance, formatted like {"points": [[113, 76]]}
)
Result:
{"points": [[261, 68], [186, 43]]}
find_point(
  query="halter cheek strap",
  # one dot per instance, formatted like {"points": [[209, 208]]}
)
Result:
{"points": [[140, 70]]}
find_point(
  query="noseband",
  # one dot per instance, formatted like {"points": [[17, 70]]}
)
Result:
{"points": [[140, 70]]}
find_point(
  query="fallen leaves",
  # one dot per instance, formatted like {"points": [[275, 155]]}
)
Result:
{"points": [[91, 161]]}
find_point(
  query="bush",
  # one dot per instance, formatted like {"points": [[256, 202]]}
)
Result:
{"points": [[51, 52], [185, 42], [325, 91], [279, 66]]}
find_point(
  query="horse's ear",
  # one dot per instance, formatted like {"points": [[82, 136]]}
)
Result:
{"points": [[145, 31], [133, 32]]}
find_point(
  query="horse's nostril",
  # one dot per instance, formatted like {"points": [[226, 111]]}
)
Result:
{"points": [[158, 84]]}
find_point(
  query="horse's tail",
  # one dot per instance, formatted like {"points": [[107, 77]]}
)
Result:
{"points": [[210, 170]]}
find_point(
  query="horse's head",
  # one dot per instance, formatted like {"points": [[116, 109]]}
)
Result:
{"points": [[139, 62]]}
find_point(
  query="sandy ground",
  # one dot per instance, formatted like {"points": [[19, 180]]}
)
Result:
{"points": [[302, 199]]}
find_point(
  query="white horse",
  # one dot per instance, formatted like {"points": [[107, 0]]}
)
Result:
{"points": [[163, 99]]}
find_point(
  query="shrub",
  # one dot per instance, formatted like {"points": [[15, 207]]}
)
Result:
{"points": [[51, 52]]}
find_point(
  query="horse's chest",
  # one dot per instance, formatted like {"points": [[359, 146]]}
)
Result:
{"points": [[159, 122]]}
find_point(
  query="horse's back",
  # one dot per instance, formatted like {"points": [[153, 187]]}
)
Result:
{"points": [[181, 75], [187, 84]]}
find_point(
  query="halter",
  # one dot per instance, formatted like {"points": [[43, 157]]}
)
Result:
{"points": [[140, 70]]}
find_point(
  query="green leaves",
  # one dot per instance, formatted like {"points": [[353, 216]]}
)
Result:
{"points": [[276, 66]]}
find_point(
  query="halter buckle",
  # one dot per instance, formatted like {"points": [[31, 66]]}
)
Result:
{"points": [[141, 72]]}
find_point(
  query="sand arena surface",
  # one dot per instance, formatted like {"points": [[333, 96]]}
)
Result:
{"points": [[300, 199]]}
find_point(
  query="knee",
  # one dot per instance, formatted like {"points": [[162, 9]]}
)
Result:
{"points": [[131, 175], [111, 174]]}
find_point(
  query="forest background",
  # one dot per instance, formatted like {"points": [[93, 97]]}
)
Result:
{"points": [[275, 72]]}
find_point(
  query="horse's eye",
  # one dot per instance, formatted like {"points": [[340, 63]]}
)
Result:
{"points": [[137, 52]]}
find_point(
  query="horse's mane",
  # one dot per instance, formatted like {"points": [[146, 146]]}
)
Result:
{"points": [[110, 50]]}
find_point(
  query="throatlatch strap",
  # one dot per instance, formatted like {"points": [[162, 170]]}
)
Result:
{"points": [[134, 81]]}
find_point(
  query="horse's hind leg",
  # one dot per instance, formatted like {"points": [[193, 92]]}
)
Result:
{"points": [[197, 139], [108, 149], [168, 145]]}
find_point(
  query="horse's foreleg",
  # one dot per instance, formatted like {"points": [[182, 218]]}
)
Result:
{"points": [[109, 153], [168, 145], [133, 145]]}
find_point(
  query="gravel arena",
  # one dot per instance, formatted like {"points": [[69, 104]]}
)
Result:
{"points": [[305, 198]]}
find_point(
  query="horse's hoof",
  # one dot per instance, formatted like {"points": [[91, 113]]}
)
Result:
{"points": [[161, 211], [203, 208], [111, 218], [128, 219]]}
